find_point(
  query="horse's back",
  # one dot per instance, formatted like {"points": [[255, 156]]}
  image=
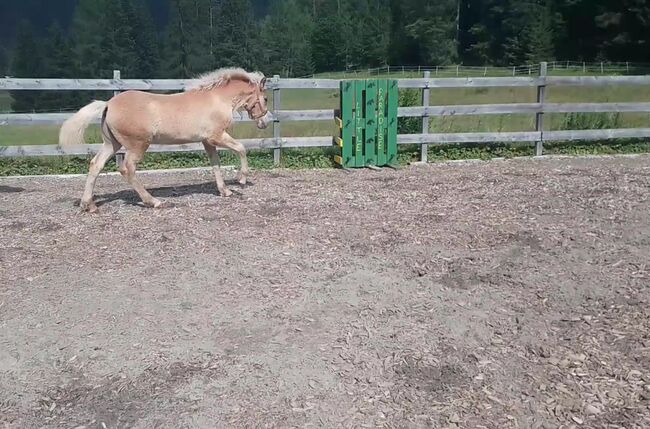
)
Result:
{"points": [[166, 118]]}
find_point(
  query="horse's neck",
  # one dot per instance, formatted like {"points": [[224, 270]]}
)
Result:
{"points": [[235, 93]]}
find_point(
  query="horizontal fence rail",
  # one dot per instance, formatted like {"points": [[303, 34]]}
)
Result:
{"points": [[19, 84], [428, 84], [403, 112]]}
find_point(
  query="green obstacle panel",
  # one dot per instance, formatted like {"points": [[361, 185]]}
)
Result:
{"points": [[382, 106], [393, 104], [346, 125], [360, 121], [367, 121], [370, 154]]}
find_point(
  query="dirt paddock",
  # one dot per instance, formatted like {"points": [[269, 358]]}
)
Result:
{"points": [[490, 295]]}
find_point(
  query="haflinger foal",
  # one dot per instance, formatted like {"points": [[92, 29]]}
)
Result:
{"points": [[135, 120]]}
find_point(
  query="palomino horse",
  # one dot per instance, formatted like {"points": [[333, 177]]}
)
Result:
{"points": [[135, 119]]}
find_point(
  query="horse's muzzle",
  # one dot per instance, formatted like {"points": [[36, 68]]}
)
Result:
{"points": [[263, 122]]}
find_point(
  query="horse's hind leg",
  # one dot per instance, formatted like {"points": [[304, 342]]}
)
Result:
{"points": [[131, 160], [213, 154], [96, 166]]}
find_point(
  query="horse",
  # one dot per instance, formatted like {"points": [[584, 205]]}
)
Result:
{"points": [[202, 112]]}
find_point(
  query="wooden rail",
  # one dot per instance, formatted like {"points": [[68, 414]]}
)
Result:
{"points": [[427, 84]]}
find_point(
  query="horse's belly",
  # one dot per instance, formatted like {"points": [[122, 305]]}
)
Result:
{"points": [[166, 138], [182, 129]]}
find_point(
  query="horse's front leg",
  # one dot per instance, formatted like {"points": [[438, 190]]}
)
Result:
{"points": [[230, 143], [213, 154]]}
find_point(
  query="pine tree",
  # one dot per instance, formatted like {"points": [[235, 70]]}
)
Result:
{"points": [[235, 41], [27, 61], [189, 38], [402, 49], [118, 46], [114, 35], [375, 36], [58, 63], [87, 31], [146, 42], [625, 29], [509, 32], [4, 61], [328, 45], [579, 37], [432, 24], [540, 35], [288, 51], [337, 40]]}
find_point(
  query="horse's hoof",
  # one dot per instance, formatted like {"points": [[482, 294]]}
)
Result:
{"points": [[242, 178], [154, 203], [88, 207], [226, 192]]}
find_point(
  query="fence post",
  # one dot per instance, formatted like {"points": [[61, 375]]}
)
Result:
{"points": [[119, 157], [424, 148], [277, 135], [539, 117], [602, 68]]}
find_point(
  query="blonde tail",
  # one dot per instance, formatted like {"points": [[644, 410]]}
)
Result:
{"points": [[73, 130]]}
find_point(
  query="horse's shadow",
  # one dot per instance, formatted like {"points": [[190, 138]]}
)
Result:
{"points": [[130, 197]]}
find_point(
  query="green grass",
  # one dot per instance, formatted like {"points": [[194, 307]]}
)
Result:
{"points": [[5, 101]]}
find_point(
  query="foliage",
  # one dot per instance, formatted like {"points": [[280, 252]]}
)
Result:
{"points": [[187, 51], [4, 61], [288, 52], [28, 61], [407, 98], [591, 121], [320, 158], [181, 38], [235, 35]]}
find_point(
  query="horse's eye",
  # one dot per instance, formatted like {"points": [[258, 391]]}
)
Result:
{"points": [[266, 99]]}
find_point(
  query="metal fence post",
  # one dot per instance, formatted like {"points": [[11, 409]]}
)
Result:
{"points": [[539, 117], [277, 135], [424, 148], [119, 157]]}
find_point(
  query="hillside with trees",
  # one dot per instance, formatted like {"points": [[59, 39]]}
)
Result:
{"points": [[180, 38]]}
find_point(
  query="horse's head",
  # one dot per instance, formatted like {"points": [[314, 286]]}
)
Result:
{"points": [[255, 105]]}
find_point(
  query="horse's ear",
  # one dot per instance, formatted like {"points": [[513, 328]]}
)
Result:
{"points": [[263, 83]]}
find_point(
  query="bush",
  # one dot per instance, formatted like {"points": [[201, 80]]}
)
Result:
{"points": [[408, 98], [591, 121]]}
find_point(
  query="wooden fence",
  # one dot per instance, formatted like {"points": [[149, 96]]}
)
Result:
{"points": [[427, 84]]}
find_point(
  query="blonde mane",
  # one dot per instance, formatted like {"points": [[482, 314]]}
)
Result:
{"points": [[222, 77]]}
